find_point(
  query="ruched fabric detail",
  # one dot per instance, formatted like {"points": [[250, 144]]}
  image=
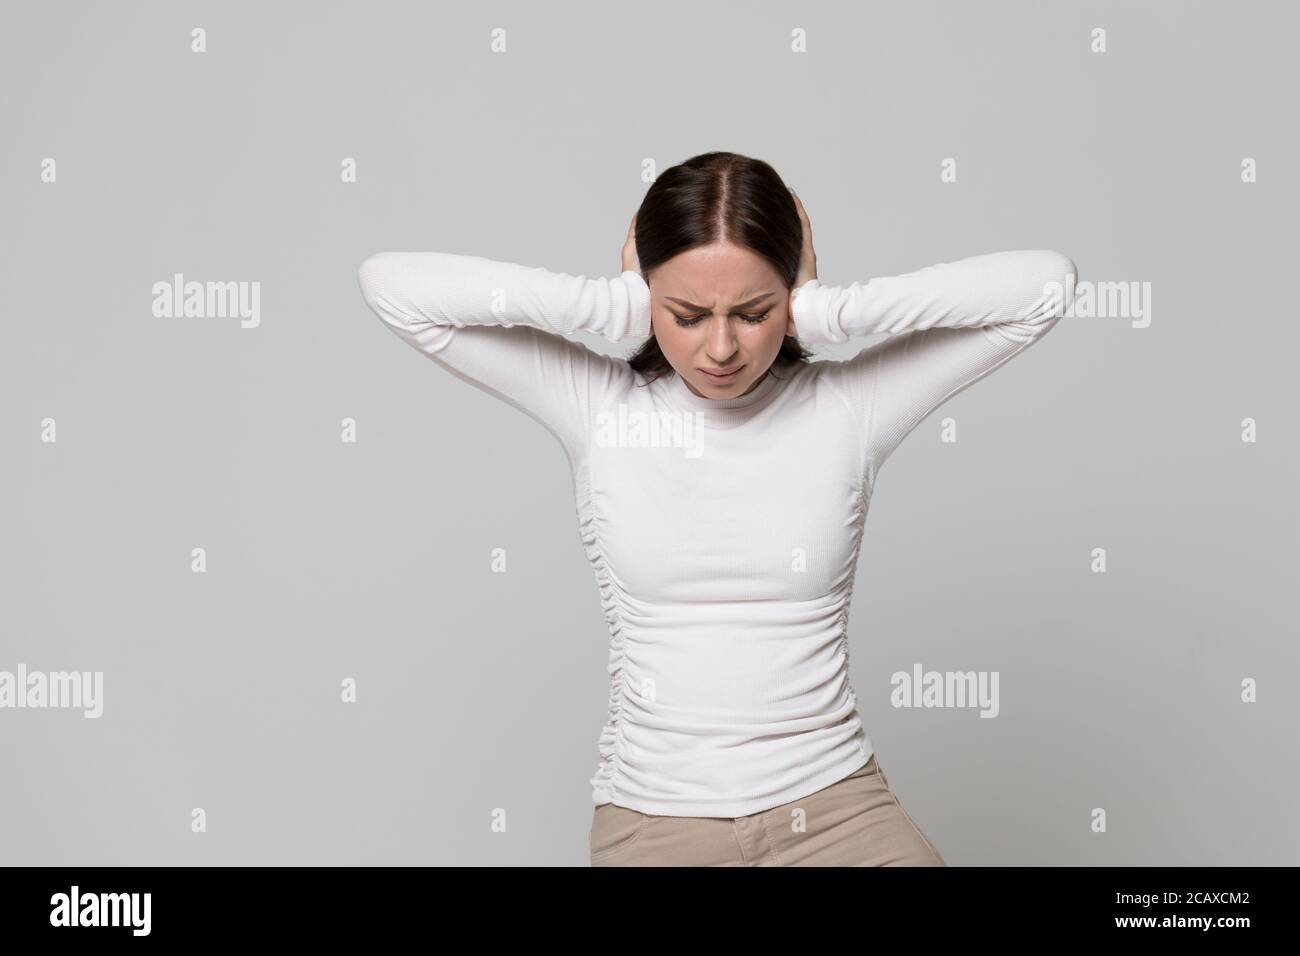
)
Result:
{"points": [[604, 783]]}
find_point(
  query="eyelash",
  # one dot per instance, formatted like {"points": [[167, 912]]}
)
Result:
{"points": [[751, 319]]}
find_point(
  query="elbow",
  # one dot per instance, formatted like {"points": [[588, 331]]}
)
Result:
{"points": [[1069, 281], [371, 277], [1065, 268], [402, 289], [378, 277], [1054, 284], [1056, 266]]}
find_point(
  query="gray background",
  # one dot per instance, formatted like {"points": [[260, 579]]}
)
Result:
{"points": [[480, 690]]}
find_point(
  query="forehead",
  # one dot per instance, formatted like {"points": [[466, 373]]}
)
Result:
{"points": [[722, 271]]}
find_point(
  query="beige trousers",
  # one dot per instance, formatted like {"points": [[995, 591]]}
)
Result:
{"points": [[856, 821]]}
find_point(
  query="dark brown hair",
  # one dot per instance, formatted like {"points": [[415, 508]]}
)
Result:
{"points": [[710, 198]]}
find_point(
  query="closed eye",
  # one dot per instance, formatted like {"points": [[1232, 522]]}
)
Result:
{"points": [[686, 323]]}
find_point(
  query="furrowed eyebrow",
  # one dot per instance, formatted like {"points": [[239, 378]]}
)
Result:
{"points": [[748, 303]]}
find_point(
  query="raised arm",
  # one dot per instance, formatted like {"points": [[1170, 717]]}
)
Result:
{"points": [[950, 324], [500, 326]]}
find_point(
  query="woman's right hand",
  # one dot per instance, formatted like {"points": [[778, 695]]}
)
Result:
{"points": [[630, 260], [807, 256]]}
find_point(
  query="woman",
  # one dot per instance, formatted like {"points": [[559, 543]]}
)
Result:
{"points": [[721, 480]]}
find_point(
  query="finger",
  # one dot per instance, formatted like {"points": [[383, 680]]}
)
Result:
{"points": [[803, 214]]}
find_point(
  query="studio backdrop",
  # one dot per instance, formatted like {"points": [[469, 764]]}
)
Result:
{"points": [[277, 589]]}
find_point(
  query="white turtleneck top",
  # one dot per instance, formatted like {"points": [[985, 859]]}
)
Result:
{"points": [[724, 534]]}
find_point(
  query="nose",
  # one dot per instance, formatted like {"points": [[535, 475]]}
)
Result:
{"points": [[721, 342]]}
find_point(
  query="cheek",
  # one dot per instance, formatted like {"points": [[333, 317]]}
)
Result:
{"points": [[671, 338], [760, 338], [774, 330]]}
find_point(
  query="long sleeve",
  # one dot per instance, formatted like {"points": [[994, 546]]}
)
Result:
{"points": [[500, 326], [949, 324]]}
